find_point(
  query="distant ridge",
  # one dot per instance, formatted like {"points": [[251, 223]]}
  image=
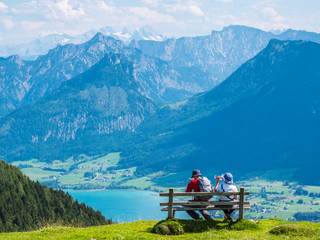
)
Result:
{"points": [[31, 50], [264, 116]]}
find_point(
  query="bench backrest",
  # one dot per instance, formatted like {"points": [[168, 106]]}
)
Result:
{"points": [[172, 194]]}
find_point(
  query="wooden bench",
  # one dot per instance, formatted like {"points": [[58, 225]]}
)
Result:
{"points": [[209, 205]]}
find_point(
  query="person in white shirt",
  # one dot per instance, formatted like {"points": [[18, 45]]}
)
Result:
{"points": [[227, 186]]}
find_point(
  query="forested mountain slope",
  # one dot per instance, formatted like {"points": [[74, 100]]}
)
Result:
{"points": [[102, 102], [265, 115], [26, 205]]}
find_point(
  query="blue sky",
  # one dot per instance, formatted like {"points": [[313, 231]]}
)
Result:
{"points": [[25, 20]]}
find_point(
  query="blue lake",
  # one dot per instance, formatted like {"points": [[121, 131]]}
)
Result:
{"points": [[125, 205]]}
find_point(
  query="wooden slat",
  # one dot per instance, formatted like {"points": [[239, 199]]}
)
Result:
{"points": [[195, 203], [185, 194], [204, 208]]}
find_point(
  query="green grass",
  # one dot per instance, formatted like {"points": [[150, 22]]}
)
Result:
{"points": [[110, 160], [33, 162], [143, 182], [264, 229], [315, 189], [75, 178], [38, 173]]}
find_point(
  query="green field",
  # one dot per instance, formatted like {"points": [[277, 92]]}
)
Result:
{"points": [[264, 229], [40, 174]]}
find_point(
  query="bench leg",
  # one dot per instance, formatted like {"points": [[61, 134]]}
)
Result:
{"points": [[170, 205], [241, 203]]}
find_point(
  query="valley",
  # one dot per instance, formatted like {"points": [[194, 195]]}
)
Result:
{"points": [[272, 194], [108, 107]]}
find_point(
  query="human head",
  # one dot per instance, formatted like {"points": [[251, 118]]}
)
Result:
{"points": [[196, 173], [227, 178]]}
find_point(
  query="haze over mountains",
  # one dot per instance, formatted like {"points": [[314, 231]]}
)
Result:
{"points": [[102, 96], [30, 50]]}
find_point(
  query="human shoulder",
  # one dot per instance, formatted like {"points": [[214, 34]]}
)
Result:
{"points": [[195, 181], [234, 188]]}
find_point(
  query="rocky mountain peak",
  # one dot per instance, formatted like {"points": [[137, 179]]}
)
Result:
{"points": [[16, 59]]}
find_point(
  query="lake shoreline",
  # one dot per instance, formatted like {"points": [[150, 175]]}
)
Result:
{"points": [[122, 205]]}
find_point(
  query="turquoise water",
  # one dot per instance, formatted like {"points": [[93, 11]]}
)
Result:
{"points": [[125, 205]]}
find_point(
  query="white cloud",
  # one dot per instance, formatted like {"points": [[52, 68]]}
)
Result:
{"points": [[68, 9], [32, 18], [224, 1], [195, 10], [184, 8], [267, 17], [30, 25], [104, 6], [3, 5], [145, 13], [272, 14], [152, 3], [8, 24], [53, 9]]}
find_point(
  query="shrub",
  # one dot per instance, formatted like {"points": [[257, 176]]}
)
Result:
{"points": [[300, 201], [244, 224], [168, 227], [291, 230], [301, 192], [178, 227], [307, 216]]}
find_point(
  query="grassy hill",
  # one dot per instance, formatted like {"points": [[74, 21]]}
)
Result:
{"points": [[264, 229]]}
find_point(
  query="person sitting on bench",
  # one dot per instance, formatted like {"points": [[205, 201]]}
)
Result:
{"points": [[193, 185], [227, 186]]}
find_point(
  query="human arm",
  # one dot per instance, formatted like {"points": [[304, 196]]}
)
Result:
{"points": [[191, 185], [235, 197], [217, 183]]}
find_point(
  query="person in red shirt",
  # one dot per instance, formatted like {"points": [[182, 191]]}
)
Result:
{"points": [[194, 186]]}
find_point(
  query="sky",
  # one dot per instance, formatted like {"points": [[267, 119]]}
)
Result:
{"points": [[26, 20]]}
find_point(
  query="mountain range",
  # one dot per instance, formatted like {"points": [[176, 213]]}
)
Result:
{"points": [[169, 71], [23, 83], [265, 114], [102, 100], [41, 46], [112, 99]]}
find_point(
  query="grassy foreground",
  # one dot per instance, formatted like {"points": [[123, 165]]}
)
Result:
{"points": [[265, 229]]}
